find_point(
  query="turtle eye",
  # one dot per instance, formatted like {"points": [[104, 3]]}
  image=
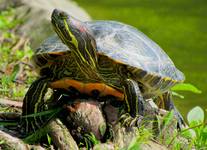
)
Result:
{"points": [[63, 15]]}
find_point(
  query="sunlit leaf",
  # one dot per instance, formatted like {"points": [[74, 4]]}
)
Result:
{"points": [[49, 140], [168, 118], [177, 94], [2, 142], [195, 114], [102, 129], [186, 87]]}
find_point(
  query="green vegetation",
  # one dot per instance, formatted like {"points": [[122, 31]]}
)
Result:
{"points": [[198, 127], [178, 26], [194, 136], [196, 133], [142, 138], [15, 70]]}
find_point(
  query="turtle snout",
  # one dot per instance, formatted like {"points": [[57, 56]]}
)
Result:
{"points": [[59, 14]]}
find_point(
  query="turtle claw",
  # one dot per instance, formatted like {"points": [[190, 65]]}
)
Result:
{"points": [[128, 121], [125, 119], [109, 134], [180, 120], [168, 104], [138, 121]]}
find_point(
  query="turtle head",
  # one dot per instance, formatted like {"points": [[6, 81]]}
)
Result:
{"points": [[68, 28], [76, 36]]}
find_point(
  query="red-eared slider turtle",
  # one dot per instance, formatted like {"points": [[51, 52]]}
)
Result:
{"points": [[119, 56], [101, 58], [53, 61]]}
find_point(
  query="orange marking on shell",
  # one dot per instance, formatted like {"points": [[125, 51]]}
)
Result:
{"points": [[66, 83], [87, 88]]}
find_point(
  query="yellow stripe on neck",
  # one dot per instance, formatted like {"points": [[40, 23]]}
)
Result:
{"points": [[75, 42]]}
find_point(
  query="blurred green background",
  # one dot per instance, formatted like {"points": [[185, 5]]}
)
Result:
{"points": [[178, 26]]}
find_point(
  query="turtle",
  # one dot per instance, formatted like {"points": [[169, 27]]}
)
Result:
{"points": [[100, 58], [122, 57]]}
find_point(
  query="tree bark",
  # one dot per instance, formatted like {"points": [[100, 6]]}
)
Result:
{"points": [[61, 136], [9, 142]]}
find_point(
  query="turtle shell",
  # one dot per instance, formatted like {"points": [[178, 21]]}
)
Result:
{"points": [[129, 46], [51, 45], [49, 50]]}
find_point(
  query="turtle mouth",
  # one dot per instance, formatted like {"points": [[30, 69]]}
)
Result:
{"points": [[55, 14], [58, 17]]}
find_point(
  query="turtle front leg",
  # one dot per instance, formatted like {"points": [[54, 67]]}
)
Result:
{"points": [[134, 103], [34, 102], [165, 102]]}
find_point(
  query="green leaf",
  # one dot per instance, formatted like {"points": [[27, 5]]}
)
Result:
{"points": [[195, 114], [102, 129], [204, 134], [15, 72], [53, 111], [168, 118], [2, 142], [178, 95], [7, 123], [186, 87], [49, 139]]}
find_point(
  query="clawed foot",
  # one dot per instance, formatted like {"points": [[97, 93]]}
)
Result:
{"points": [[109, 134], [128, 121], [180, 120]]}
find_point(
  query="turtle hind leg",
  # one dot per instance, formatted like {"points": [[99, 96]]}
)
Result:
{"points": [[165, 101], [134, 102]]}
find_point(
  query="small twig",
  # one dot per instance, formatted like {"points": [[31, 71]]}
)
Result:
{"points": [[18, 44], [2, 72], [155, 141], [1, 38], [18, 81], [27, 64], [12, 103], [10, 116]]}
